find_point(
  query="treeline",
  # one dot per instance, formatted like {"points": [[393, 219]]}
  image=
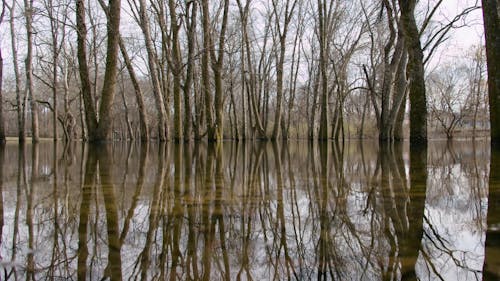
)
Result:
{"points": [[239, 69]]}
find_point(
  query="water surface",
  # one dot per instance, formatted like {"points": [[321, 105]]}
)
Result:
{"points": [[253, 211]]}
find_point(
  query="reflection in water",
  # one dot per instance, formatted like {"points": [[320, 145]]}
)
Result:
{"points": [[254, 211], [491, 267]]}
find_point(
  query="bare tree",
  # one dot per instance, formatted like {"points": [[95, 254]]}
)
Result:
{"points": [[20, 97], [215, 129], [449, 100], [143, 119], [153, 71], [282, 18], [324, 15], [99, 126]]}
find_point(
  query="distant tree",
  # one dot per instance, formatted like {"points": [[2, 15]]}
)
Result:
{"points": [[450, 99]]}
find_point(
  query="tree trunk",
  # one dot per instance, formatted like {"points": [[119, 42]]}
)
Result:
{"points": [[415, 69], [143, 119], [153, 73], [219, 82], [280, 63], [205, 71], [86, 90], [99, 129], [28, 12], [56, 49], [176, 68], [322, 34], [126, 111], [20, 104], [188, 82], [491, 11], [2, 128]]}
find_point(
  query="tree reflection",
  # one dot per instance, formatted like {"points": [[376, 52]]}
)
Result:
{"points": [[236, 211], [412, 238], [491, 268]]}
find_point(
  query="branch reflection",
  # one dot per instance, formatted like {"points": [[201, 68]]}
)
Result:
{"points": [[246, 211]]}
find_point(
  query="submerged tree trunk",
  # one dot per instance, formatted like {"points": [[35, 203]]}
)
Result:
{"points": [[415, 69], [492, 34]]}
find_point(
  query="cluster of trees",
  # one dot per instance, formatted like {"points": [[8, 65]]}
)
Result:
{"points": [[227, 69]]}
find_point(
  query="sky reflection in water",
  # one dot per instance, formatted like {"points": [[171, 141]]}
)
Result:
{"points": [[252, 211]]}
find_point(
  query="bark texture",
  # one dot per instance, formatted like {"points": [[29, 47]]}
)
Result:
{"points": [[415, 70], [492, 33]]}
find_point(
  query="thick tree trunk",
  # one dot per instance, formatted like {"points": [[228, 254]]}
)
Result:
{"points": [[99, 129], [491, 15], [110, 73], [176, 68], [2, 128], [85, 87], [218, 72], [205, 70], [415, 69], [2, 122], [188, 82]]}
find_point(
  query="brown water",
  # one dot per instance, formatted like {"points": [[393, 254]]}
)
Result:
{"points": [[252, 211]]}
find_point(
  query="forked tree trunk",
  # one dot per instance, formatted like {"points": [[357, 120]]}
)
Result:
{"points": [[415, 69], [99, 129]]}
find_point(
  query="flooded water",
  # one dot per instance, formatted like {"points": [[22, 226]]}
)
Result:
{"points": [[254, 211]]}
